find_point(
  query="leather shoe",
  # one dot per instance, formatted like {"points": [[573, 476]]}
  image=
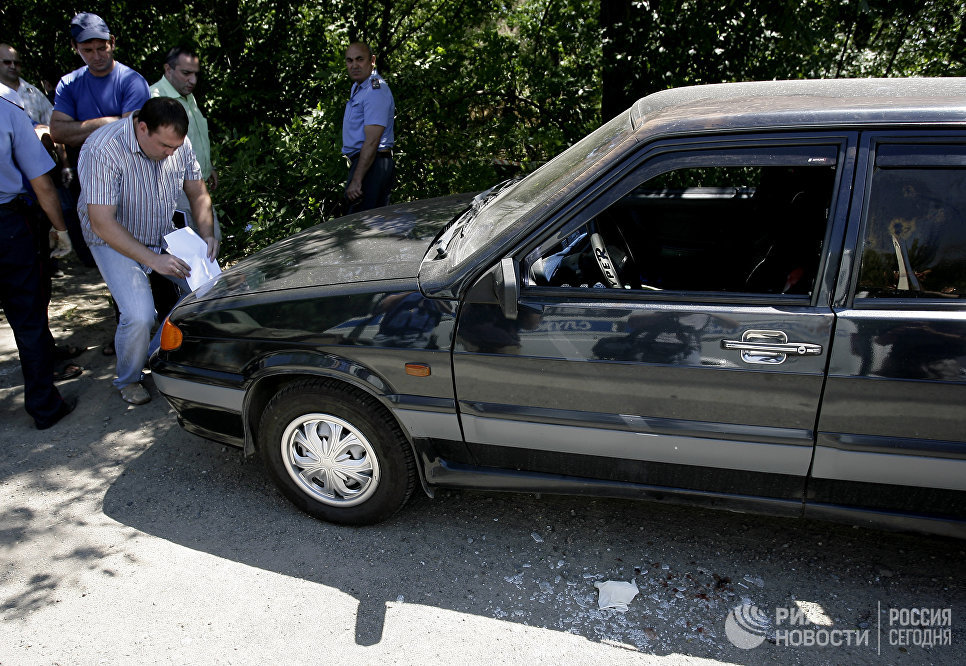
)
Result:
{"points": [[66, 407], [135, 394]]}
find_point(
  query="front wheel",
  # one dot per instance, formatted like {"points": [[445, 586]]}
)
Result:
{"points": [[336, 453]]}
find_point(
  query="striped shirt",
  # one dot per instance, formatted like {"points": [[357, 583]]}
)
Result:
{"points": [[115, 172]]}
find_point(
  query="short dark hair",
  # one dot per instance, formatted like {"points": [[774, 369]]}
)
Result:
{"points": [[363, 45], [167, 111], [172, 58]]}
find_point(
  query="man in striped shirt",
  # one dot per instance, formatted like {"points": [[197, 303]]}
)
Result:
{"points": [[131, 172]]}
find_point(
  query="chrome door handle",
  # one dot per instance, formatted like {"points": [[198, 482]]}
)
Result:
{"points": [[796, 348], [769, 347]]}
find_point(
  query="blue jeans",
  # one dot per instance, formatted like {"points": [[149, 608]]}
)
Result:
{"points": [[130, 286]]}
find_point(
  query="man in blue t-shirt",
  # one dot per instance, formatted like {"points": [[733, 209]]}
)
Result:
{"points": [[99, 93]]}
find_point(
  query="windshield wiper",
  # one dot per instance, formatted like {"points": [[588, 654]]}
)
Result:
{"points": [[486, 196], [459, 225]]}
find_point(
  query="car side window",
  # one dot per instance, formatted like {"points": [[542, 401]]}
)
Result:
{"points": [[756, 228], [914, 242]]}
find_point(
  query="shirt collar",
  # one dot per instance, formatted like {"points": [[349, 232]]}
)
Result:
{"points": [[169, 90], [10, 95], [365, 83], [130, 135]]}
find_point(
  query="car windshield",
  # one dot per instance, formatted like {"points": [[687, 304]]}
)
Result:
{"points": [[501, 213]]}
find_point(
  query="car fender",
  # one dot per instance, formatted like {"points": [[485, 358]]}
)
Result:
{"points": [[265, 376]]}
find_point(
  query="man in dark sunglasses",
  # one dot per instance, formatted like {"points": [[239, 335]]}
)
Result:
{"points": [[35, 103]]}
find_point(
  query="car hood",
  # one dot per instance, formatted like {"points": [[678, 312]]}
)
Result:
{"points": [[382, 244]]}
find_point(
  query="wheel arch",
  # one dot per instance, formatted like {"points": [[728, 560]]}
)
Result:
{"points": [[271, 377]]}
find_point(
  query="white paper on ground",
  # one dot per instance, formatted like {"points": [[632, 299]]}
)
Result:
{"points": [[191, 248], [615, 594]]}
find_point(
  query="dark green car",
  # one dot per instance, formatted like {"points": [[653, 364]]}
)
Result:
{"points": [[747, 296]]}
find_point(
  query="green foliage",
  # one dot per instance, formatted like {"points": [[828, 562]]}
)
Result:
{"points": [[474, 81], [651, 45]]}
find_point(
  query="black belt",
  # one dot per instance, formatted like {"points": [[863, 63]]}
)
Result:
{"points": [[16, 205], [379, 153]]}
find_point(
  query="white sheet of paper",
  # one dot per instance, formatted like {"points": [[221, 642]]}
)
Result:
{"points": [[188, 246]]}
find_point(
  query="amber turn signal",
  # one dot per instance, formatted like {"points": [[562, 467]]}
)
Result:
{"points": [[171, 336], [416, 369]]}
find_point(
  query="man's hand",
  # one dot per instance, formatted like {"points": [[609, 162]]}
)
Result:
{"points": [[170, 265], [60, 245], [354, 191], [201, 210], [366, 156], [212, 248], [213, 181]]}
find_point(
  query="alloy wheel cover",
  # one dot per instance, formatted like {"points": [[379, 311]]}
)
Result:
{"points": [[330, 460]]}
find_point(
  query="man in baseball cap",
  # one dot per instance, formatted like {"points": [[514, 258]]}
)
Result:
{"points": [[86, 26], [99, 93], [91, 97]]}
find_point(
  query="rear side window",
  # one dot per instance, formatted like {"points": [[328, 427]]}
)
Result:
{"points": [[915, 228]]}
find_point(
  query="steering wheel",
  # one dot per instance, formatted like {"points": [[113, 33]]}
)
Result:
{"points": [[607, 268]]}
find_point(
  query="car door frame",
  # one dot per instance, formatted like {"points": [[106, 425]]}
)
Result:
{"points": [[859, 473], [608, 190]]}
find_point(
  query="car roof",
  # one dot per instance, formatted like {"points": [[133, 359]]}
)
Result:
{"points": [[800, 105]]}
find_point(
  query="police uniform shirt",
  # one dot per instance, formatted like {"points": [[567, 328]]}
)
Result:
{"points": [[370, 103], [19, 147]]}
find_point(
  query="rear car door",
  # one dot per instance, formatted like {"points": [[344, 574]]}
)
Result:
{"points": [[673, 325], [892, 434]]}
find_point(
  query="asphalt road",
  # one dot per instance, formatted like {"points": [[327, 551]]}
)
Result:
{"points": [[124, 539]]}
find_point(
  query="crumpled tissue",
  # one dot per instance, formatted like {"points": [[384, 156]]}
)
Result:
{"points": [[615, 594]]}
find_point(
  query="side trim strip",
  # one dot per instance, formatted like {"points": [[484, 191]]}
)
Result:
{"points": [[682, 450], [642, 424], [433, 425], [895, 469], [203, 394], [907, 446]]}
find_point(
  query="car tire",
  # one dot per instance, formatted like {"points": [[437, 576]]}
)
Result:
{"points": [[336, 453]]}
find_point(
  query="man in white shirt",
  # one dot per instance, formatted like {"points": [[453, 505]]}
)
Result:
{"points": [[35, 103]]}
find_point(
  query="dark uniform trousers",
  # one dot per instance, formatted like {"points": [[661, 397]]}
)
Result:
{"points": [[376, 185], [24, 301]]}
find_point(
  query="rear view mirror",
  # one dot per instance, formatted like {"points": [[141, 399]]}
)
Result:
{"points": [[498, 286], [507, 288]]}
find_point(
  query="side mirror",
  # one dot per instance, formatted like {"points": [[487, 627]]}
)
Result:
{"points": [[507, 288], [498, 286]]}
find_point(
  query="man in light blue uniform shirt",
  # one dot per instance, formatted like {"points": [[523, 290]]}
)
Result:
{"points": [[367, 132], [22, 296]]}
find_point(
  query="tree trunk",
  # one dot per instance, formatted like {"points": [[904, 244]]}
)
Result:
{"points": [[617, 79]]}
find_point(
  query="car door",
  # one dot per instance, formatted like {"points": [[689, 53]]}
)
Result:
{"points": [[673, 326], [892, 433]]}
